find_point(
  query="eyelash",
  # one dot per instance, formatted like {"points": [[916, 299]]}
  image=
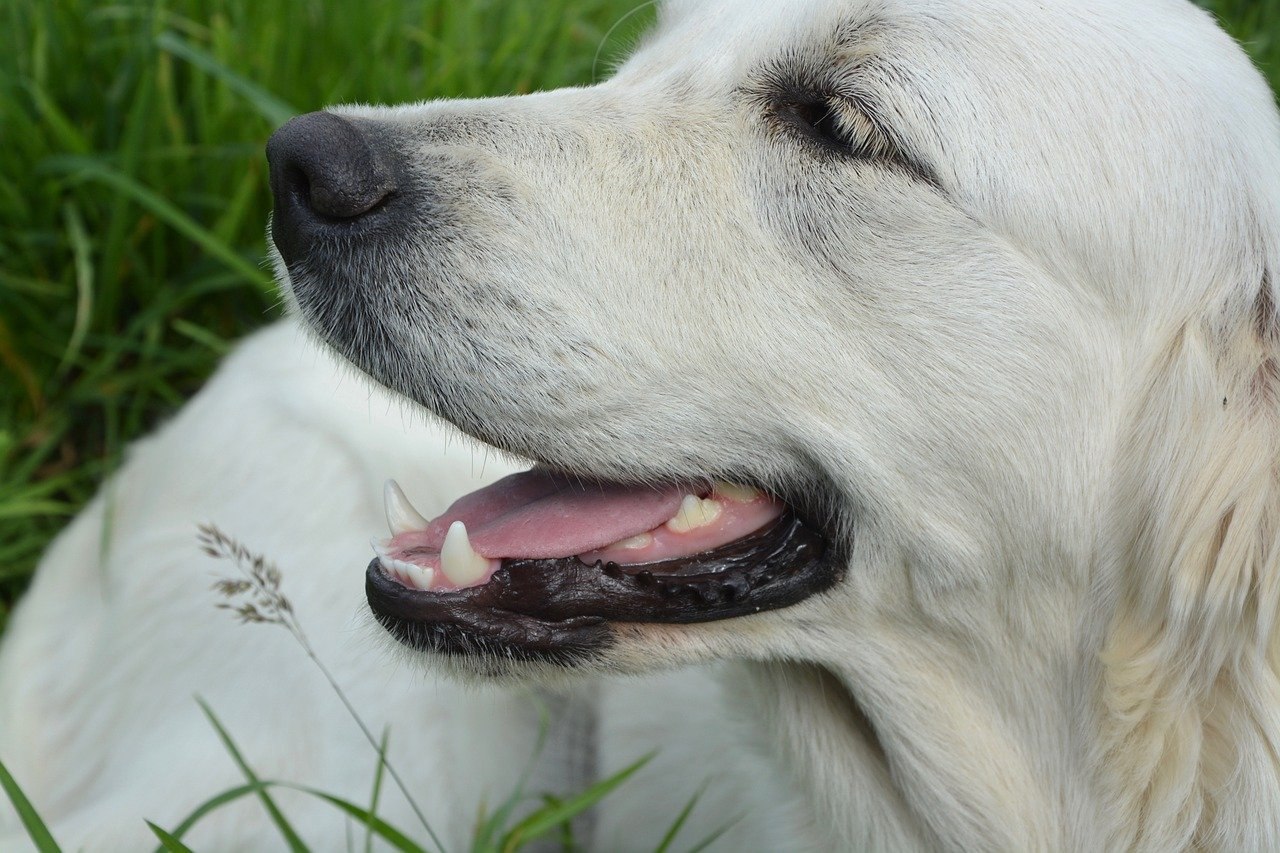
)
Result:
{"points": [[823, 120], [816, 119]]}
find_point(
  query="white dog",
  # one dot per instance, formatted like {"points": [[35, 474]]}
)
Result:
{"points": [[912, 364]]}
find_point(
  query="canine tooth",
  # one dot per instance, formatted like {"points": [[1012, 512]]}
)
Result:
{"points": [[401, 516], [458, 560], [640, 540], [381, 547], [736, 491], [694, 512]]}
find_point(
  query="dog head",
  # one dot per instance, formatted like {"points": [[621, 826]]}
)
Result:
{"points": [[975, 295]]}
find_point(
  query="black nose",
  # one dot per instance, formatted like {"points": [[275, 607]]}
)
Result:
{"points": [[325, 173]]}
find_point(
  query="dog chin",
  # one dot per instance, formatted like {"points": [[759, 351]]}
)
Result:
{"points": [[633, 649]]}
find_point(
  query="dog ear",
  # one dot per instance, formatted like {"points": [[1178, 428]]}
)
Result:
{"points": [[1191, 691]]}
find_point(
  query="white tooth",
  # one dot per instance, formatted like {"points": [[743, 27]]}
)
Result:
{"points": [[381, 547], [401, 516], [392, 567], [736, 492], [458, 560], [410, 571], [424, 576], [414, 574], [694, 512], [640, 540]]}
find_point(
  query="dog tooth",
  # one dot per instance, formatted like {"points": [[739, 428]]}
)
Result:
{"points": [[393, 568], [401, 516], [640, 540], [381, 547], [458, 560], [426, 577], [694, 512], [405, 570], [736, 491], [416, 575]]}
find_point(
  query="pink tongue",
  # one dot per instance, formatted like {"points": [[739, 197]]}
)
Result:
{"points": [[539, 514]]}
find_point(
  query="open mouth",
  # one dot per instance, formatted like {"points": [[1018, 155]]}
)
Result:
{"points": [[538, 564]]}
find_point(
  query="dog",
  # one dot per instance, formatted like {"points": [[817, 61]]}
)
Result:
{"points": [[897, 387]]}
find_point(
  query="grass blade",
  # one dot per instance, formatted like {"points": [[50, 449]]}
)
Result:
{"points": [[169, 842], [62, 128], [377, 787], [209, 805], [546, 819], [82, 255], [678, 823], [713, 837], [489, 825], [384, 830], [291, 837], [87, 168], [566, 839], [38, 832], [201, 335], [267, 105]]}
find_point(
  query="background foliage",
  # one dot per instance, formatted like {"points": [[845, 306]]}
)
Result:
{"points": [[133, 189], [133, 193]]}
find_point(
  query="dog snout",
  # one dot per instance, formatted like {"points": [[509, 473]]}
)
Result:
{"points": [[327, 174]]}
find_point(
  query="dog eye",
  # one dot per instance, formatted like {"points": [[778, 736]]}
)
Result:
{"points": [[832, 125], [816, 119]]}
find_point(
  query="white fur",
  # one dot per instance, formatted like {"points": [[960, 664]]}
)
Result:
{"points": [[1038, 384]]}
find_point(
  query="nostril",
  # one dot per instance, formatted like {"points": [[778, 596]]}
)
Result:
{"points": [[325, 166], [298, 185]]}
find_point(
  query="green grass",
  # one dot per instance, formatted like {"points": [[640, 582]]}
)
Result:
{"points": [[509, 829], [133, 193], [133, 190], [1256, 24]]}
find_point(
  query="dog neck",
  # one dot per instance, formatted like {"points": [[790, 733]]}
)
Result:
{"points": [[924, 752], [923, 761]]}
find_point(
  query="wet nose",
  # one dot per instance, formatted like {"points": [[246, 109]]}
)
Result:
{"points": [[326, 174]]}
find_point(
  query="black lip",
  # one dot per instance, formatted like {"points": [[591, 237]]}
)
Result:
{"points": [[559, 610]]}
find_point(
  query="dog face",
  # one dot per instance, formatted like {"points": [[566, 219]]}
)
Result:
{"points": [[929, 347], [906, 267]]}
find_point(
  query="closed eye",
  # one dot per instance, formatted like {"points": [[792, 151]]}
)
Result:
{"points": [[833, 123], [817, 120], [841, 125]]}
